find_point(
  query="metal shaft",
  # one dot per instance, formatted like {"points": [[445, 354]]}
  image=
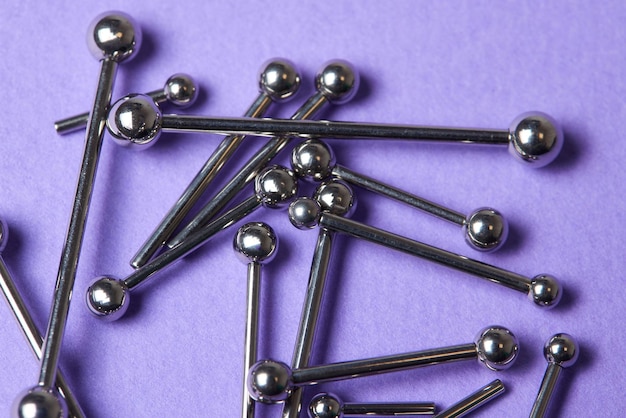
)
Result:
{"points": [[546, 389], [252, 333], [73, 242], [473, 401], [494, 274], [389, 409], [196, 188], [249, 171]]}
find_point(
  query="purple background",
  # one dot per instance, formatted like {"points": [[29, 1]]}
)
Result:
{"points": [[178, 352]]}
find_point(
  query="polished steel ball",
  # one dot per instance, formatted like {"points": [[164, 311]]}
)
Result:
{"points": [[181, 90], [561, 349], [486, 229], [535, 138], [545, 291], [335, 197], [39, 402], [304, 213], [269, 381], [325, 405], [4, 234], [255, 242], [135, 120], [496, 347], [113, 35], [338, 81], [276, 186], [313, 160], [107, 298], [279, 79]]}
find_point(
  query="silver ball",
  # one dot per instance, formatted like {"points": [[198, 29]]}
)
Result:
{"points": [[279, 79], [335, 197], [135, 120], [276, 186], [107, 298], [486, 229], [496, 347], [535, 138], [325, 405], [255, 242], [181, 90], [338, 81], [4, 234], [561, 349], [313, 160], [39, 402], [304, 213], [545, 291], [269, 381], [113, 35]]}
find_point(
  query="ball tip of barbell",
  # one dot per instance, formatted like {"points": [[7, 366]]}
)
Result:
{"points": [[107, 298], [496, 347], [561, 349], [535, 138], [114, 36], [135, 121]]}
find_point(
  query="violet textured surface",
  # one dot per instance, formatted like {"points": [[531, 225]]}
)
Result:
{"points": [[179, 350]]}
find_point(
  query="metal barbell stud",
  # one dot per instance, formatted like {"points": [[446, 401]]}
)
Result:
{"points": [[543, 290], [108, 297], [328, 405], [279, 80], [485, 229], [271, 381], [560, 351], [256, 244], [180, 90], [113, 37], [473, 401]]}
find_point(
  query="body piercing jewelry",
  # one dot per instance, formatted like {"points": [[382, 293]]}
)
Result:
{"points": [[26, 323], [473, 401], [180, 90], [485, 229], [256, 244], [272, 381], [113, 38], [108, 297], [328, 405], [278, 81], [561, 350], [543, 290]]}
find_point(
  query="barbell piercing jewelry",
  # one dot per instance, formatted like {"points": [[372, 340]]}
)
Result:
{"points": [[336, 198], [543, 290], [180, 90], [485, 229], [560, 351], [112, 38], [473, 401], [279, 80], [337, 83], [28, 327], [328, 405], [272, 381], [256, 244], [108, 298]]}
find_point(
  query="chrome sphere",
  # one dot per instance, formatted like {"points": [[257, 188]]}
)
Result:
{"points": [[276, 186], [338, 81], [135, 120], [279, 79], [107, 298], [486, 229], [39, 402], [535, 138], [304, 213], [335, 197], [269, 381], [312, 160], [496, 347], [255, 242], [113, 35], [545, 291], [561, 349], [4, 234], [181, 90], [325, 405]]}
